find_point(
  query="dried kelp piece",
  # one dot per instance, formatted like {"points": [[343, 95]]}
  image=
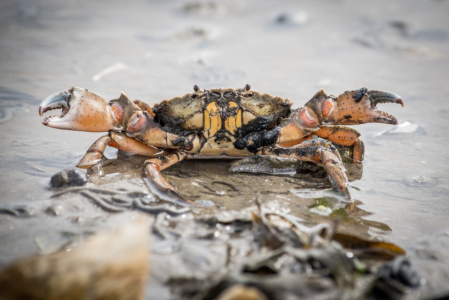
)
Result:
{"points": [[79, 189], [267, 263], [397, 277], [227, 217], [197, 260], [161, 228], [120, 201], [20, 211], [161, 208], [293, 273], [292, 286], [262, 248], [102, 202], [368, 249], [282, 229], [331, 259]]}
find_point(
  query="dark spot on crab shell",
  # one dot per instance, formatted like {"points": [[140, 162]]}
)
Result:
{"points": [[360, 93], [222, 136], [262, 131], [255, 140], [179, 141], [348, 117], [163, 159]]}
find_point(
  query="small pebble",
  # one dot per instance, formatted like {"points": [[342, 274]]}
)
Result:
{"points": [[68, 178]]}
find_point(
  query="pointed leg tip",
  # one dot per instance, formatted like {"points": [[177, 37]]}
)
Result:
{"points": [[400, 101]]}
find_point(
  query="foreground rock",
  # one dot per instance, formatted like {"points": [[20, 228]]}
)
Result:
{"points": [[112, 265]]}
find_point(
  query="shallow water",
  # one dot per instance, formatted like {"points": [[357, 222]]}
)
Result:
{"points": [[155, 50]]}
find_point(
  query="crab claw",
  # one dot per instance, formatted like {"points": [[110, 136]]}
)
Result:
{"points": [[81, 110], [354, 107]]}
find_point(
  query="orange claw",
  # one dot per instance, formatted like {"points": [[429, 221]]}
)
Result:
{"points": [[353, 107], [86, 111]]}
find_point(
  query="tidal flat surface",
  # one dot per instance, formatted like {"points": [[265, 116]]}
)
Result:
{"points": [[156, 50]]}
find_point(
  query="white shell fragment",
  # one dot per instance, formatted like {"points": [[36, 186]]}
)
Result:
{"points": [[406, 127]]}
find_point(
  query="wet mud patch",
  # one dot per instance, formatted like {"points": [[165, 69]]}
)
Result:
{"points": [[13, 102], [400, 36], [118, 185]]}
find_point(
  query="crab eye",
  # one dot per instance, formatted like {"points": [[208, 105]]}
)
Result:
{"points": [[137, 123]]}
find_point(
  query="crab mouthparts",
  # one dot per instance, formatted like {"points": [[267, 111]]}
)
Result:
{"points": [[56, 101]]}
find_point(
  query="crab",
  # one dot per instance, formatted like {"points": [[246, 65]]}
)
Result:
{"points": [[221, 123]]}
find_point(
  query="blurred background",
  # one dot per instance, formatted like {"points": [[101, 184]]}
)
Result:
{"points": [[156, 50]]}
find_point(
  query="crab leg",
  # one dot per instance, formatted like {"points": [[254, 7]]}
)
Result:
{"points": [[307, 143], [120, 141], [143, 128], [319, 155], [343, 136], [144, 107], [312, 143], [158, 184], [94, 153]]}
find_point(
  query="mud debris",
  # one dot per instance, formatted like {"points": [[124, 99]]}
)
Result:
{"points": [[68, 178]]}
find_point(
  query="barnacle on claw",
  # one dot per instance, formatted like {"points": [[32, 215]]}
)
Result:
{"points": [[221, 123]]}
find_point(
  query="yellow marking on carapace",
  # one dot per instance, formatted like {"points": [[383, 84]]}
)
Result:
{"points": [[215, 118], [210, 148], [247, 117], [206, 121], [238, 119], [230, 122]]}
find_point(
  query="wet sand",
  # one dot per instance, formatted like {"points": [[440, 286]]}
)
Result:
{"points": [[158, 50]]}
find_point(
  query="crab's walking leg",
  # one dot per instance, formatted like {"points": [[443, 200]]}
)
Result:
{"points": [[319, 155], [144, 107], [120, 141], [158, 184], [343, 136], [358, 151], [314, 142]]}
